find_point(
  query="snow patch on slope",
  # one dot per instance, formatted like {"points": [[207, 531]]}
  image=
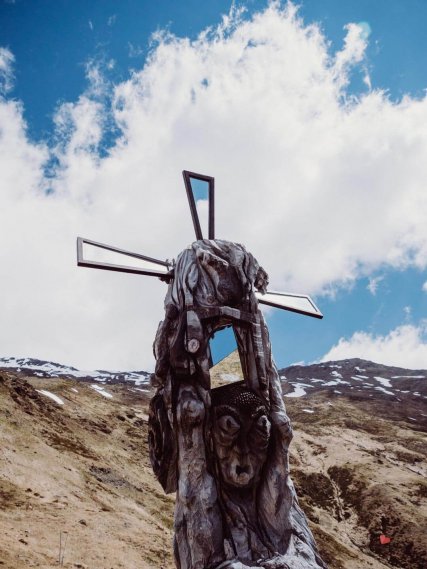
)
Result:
{"points": [[51, 396], [299, 390], [383, 380], [101, 390]]}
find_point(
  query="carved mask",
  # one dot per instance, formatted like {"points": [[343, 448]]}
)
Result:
{"points": [[241, 434]]}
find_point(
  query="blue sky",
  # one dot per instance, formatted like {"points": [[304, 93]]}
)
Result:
{"points": [[53, 41], [73, 58]]}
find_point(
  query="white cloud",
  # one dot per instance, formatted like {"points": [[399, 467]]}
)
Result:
{"points": [[6, 70], [355, 43], [135, 50], [405, 346], [424, 287], [323, 188], [373, 284]]}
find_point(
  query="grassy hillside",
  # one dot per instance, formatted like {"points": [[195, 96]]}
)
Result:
{"points": [[79, 473]]}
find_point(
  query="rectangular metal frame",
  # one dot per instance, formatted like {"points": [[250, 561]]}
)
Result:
{"points": [[81, 262], [315, 314], [192, 202]]}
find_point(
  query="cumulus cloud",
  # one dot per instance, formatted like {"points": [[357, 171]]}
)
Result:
{"points": [[321, 186], [405, 346]]}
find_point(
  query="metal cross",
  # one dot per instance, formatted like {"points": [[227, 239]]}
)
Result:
{"points": [[201, 198]]}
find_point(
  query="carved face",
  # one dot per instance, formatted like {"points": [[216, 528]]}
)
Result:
{"points": [[241, 435]]}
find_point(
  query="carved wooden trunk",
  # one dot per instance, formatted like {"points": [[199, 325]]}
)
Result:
{"points": [[224, 451]]}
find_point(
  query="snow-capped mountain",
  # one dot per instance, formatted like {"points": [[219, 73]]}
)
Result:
{"points": [[356, 378], [361, 377], [401, 393], [40, 368]]}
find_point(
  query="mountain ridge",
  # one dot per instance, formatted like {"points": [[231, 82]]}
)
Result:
{"points": [[45, 368]]}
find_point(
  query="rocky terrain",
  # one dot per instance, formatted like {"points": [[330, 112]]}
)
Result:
{"points": [[77, 490]]}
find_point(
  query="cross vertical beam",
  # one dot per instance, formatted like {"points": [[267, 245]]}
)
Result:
{"points": [[192, 202]]}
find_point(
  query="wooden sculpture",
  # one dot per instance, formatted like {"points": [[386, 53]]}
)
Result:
{"points": [[224, 451]]}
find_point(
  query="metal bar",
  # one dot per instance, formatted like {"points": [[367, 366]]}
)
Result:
{"points": [[192, 202], [81, 262], [79, 249], [120, 269], [315, 313], [212, 208], [82, 240]]}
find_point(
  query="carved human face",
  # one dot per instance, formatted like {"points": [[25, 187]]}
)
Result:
{"points": [[241, 435]]}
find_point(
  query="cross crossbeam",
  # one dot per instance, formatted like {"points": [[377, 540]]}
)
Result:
{"points": [[200, 193]]}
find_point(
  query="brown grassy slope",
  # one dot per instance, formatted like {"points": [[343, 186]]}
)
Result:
{"points": [[80, 468], [228, 369], [83, 468], [360, 471], [360, 481]]}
